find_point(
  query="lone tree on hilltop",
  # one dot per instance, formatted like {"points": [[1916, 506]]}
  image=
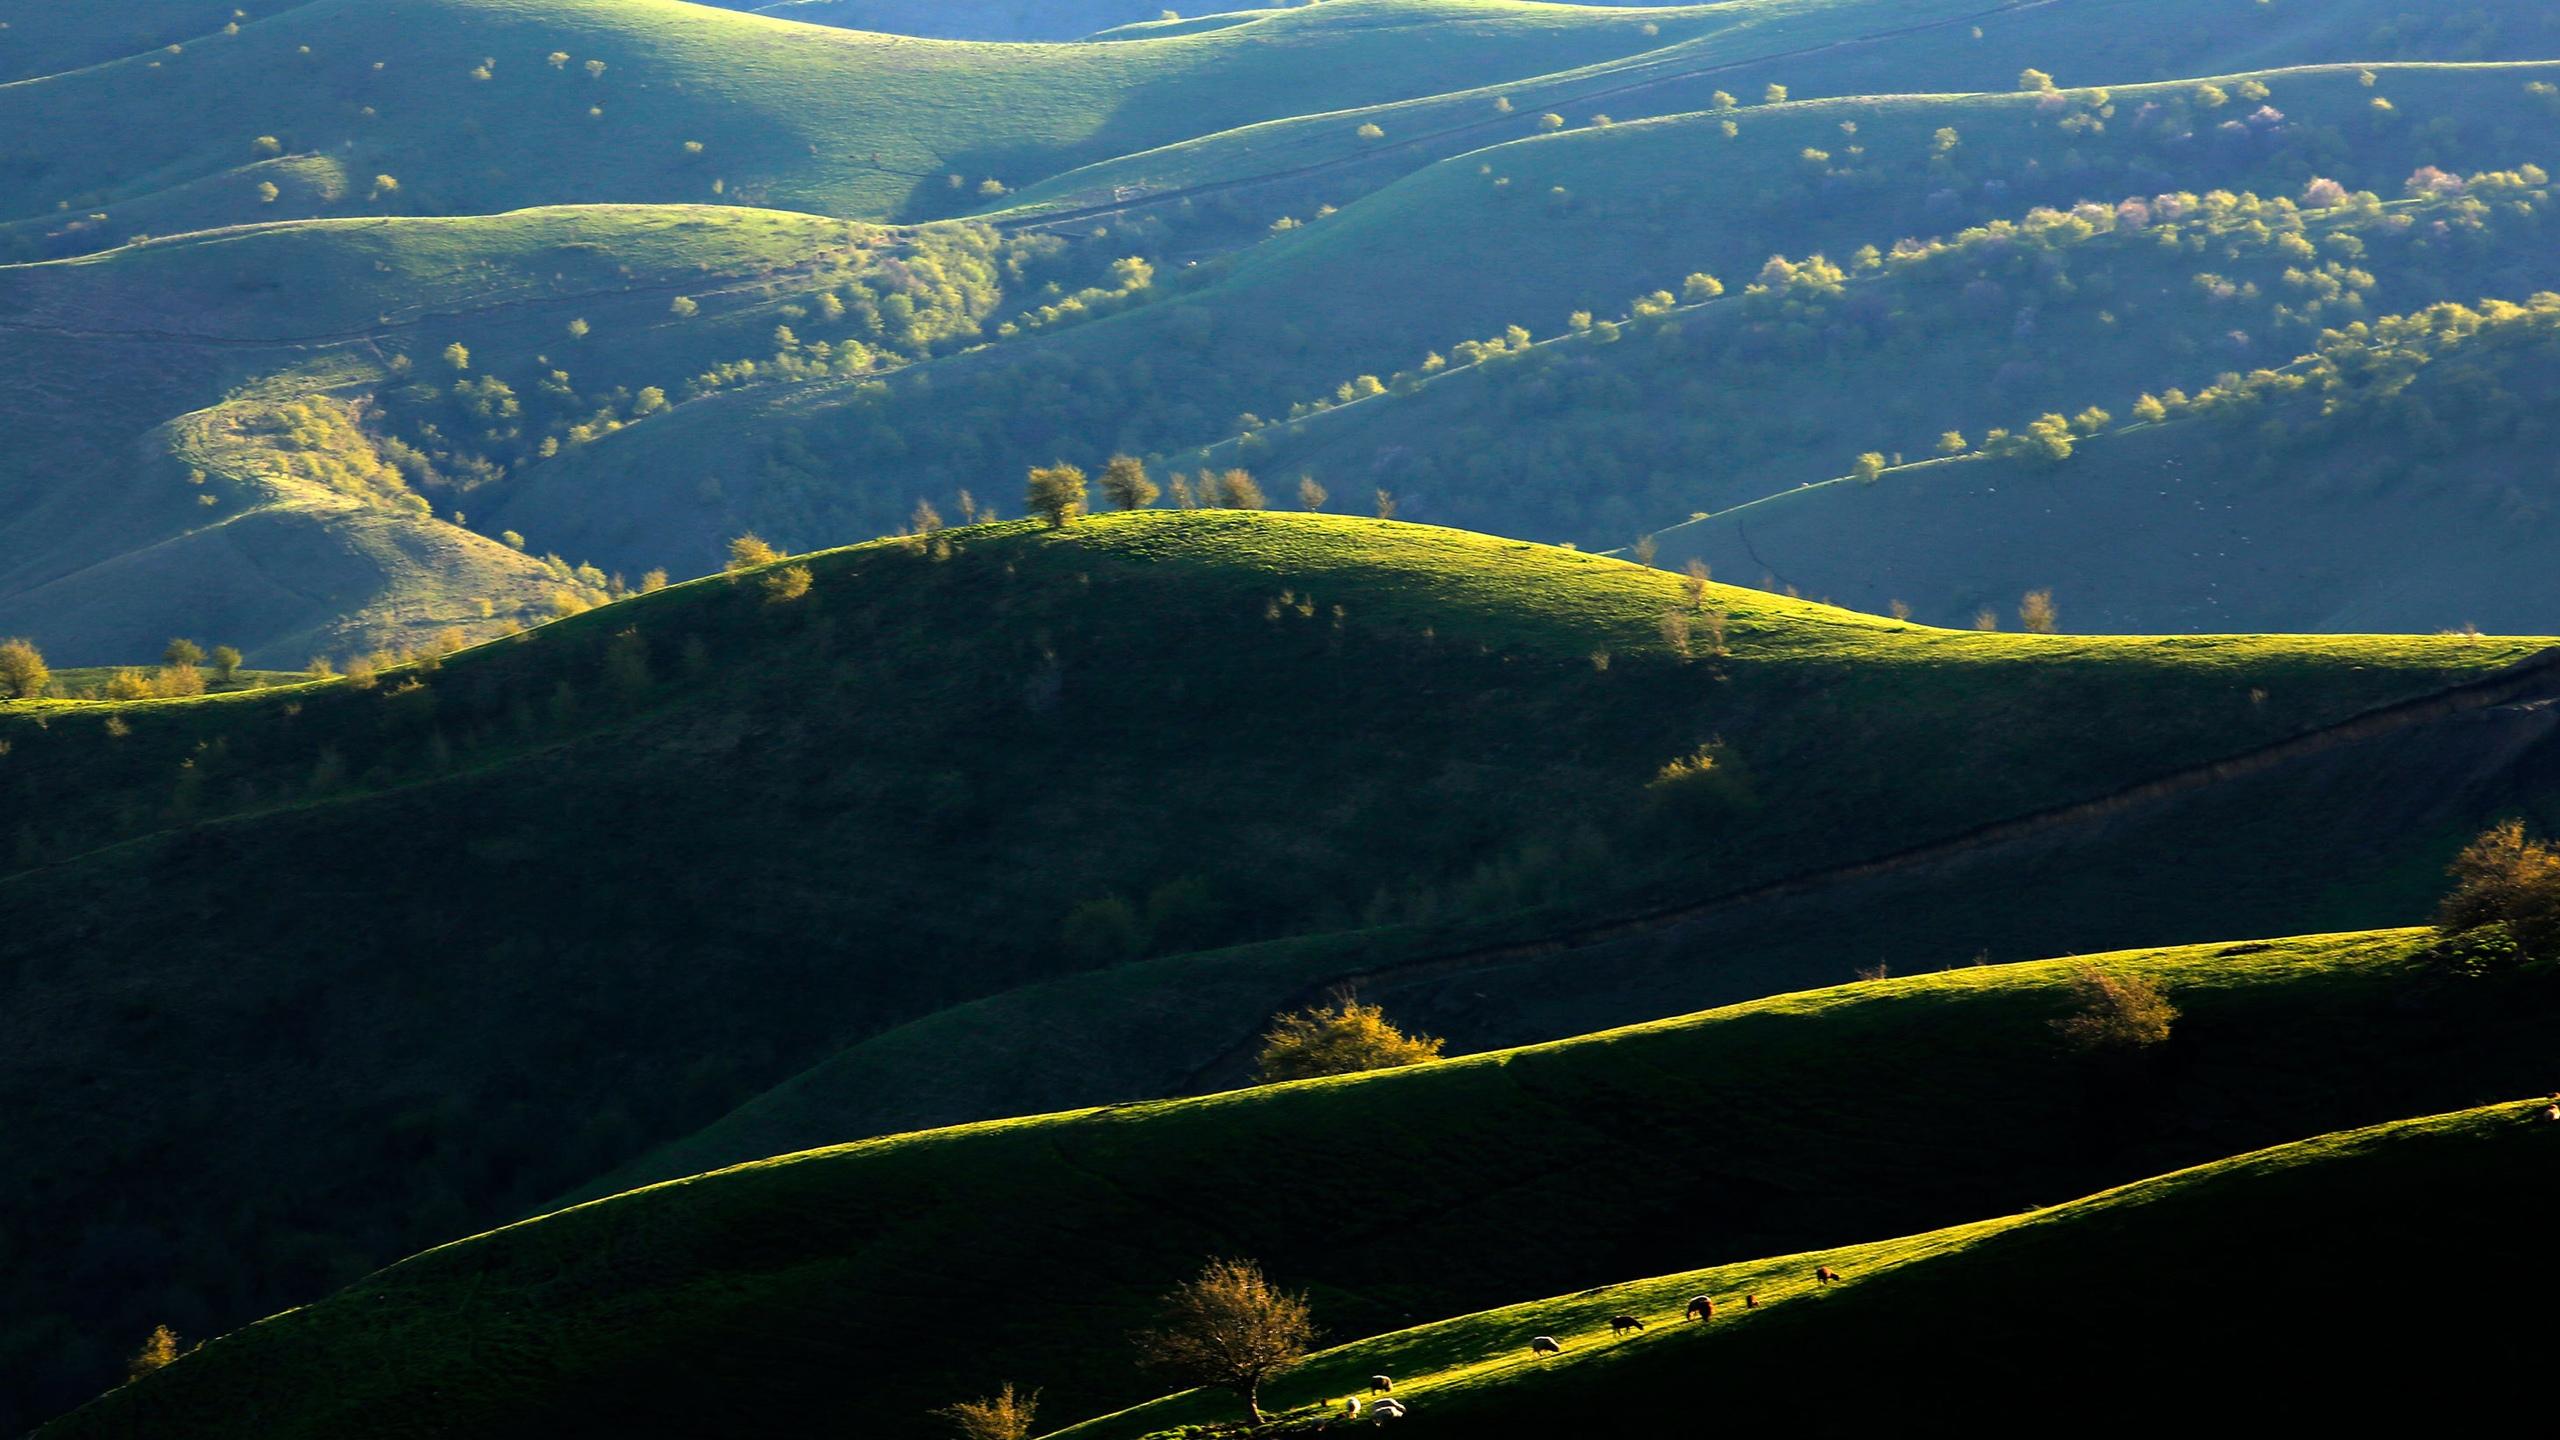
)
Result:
{"points": [[23, 673], [156, 1353], [2036, 614], [1230, 1329], [1056, 493], [1339, 1037], [1125, 481], [226, 663], [184, 654], [1005, 1415]]}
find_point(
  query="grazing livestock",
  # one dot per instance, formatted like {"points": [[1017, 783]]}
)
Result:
{"points": [[1388, 1409], [1702, 1308], [1380, 1384], [1751, 1301], [1351, 1407], [1545, 1345], [1621, 1324], [1825, 1274]]}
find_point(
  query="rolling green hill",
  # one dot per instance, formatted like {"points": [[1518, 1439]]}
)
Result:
{"points": [[736, 1300], [489, 105], [800, 824], [2404, 485], [972, 19], [2171, 1297]]}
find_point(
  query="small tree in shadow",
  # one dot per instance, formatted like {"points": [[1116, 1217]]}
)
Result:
{"points": [[2115, 1014], [1229, 1329], [1005, 1415]]}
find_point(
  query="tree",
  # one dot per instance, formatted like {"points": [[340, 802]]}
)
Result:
{"points": [[1386, 504], [1230, 1329], [787, 584], [268, 194], [1643, 551], [456, 356], [684, 307], [1774, 95], [226, 663], [183, 653], [2118, 1014], [1986, 619], [1056, 493], [1371, 131], [1868, 468], [1701, 287], [1339, 1037], [2506, 877], [1237, 490], [1124, 479], [156, 1353], [1311, 496], [2036, 80], [1952, 443], [1550, 121], [2035, 612], [1005, 1415], [23, 673], [1693, 582], [749, 551]]}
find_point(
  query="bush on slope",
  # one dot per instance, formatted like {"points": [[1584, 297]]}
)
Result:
{"points": [[768, 1296]]}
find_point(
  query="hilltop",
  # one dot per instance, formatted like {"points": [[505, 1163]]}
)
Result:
{"points": [[801, 823], [2170, 1297], [1807, 1121]]}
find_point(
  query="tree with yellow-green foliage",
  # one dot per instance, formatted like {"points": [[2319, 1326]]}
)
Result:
{"points": [[1006, 1415], [2118, 1014], [23, 673], [1230, 1329], [1056, 493], [749, 551], [1339, 1037], [1125, 480]]}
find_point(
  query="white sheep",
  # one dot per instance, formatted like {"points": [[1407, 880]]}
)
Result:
{"points": [[1387, 1409], [1545, 1345]]}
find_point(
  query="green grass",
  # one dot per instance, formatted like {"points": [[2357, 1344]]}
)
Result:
{"points": [[1781, 1127], [801, 826], [789, 115], [2170, 1297], [2403, 510]]}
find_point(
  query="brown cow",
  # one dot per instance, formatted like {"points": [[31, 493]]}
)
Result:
{"points": [[1825, 1274], [1702, 1308]]}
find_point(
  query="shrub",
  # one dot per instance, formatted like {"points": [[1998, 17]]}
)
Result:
{"points": [[2115, 1014], [1237, 490], [23, 673], [2035, 612], [750, 550], [1230, 1329], [2506, 877], [1340, 1037], [1311, 496], [156, 1354], [787, 584], [1005, 1415]]}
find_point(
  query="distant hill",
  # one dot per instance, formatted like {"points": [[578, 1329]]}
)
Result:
{"points": [[1829, 1119], [2202, 1284], [937, 777]]}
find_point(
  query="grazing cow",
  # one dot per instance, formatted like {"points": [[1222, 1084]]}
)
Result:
{"points": [[1621, 1324], [1825, 1274], [1751, 1301], [1351, 1407], [1702, 1308], [1545, 1345], [1380, 1384], [1388, 1409]]}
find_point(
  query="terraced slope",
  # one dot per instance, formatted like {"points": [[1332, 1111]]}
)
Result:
{"points": [[2171, 1297], [738, 1300], [743, 783]]}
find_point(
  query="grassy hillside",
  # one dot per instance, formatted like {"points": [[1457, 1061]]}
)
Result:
{"points": [[738, 1299], [973, 19], [461, 103], [802, 823], [2169, 1297], [1463, 251], [2404, 485], [297, 421]]}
